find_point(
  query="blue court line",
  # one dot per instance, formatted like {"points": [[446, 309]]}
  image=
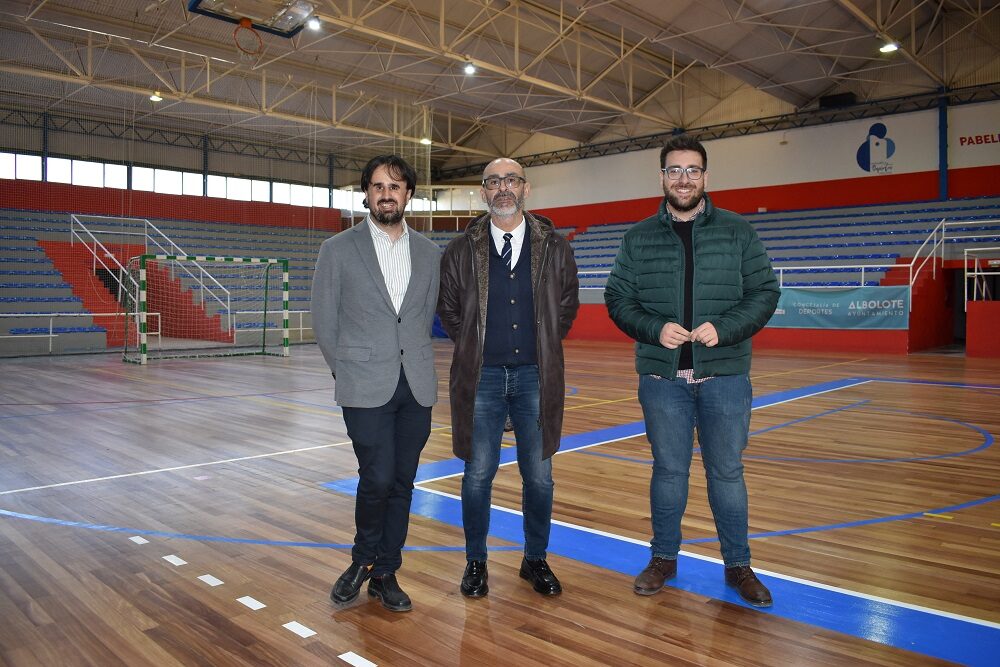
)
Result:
{"points": [[631, 459], [964, 640], [861, 522], [924, 631], [988, 441], [809, 418]]}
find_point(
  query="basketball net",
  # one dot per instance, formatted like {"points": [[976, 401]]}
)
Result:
{"points": [[248, 41]]}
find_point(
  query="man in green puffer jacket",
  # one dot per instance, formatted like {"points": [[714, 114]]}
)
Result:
{"points": [[691, 285]]}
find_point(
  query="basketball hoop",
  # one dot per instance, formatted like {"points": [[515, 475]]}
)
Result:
{"points": [[248, 42]]}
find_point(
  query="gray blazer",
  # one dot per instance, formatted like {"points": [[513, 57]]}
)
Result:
{"points": [[362, 338]]}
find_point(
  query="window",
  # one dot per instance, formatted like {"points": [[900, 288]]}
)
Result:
{"points": [[29, 167], [88, 173], [260, 190], [301, 195], [7, 165], [217, 186], [422, 204], [143, 178], [321, 197], [115, 176], [168, 182], [341, 199], [194, 184], [281, 193], [59, 170], [238, 188]]}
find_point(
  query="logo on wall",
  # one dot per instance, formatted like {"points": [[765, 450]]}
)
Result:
{"points": [[874, 154]]}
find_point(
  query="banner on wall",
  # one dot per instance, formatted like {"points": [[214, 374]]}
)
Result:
{"points": [[852, 308]]}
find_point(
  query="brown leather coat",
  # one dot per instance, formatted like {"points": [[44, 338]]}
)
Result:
{"points": [[462, 307]]}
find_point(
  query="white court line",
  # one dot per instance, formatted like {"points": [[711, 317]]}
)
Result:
{"points": [[139, 540], [173, 469], [353, 658], [210, 580], [250, 602], [777, 575], [175, 560], [299, 629]]}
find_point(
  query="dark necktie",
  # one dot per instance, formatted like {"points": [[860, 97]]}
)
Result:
{"points": [[505, 254]]}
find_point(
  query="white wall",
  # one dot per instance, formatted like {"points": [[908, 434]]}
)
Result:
{"points": [[821, 153], [979, 125]]}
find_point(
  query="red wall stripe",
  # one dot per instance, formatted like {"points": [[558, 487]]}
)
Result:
{"points": [[63, 198], [885, 189]]}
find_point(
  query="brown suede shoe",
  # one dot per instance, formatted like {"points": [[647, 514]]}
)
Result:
{"points": [[748, 586], [651, 579]]}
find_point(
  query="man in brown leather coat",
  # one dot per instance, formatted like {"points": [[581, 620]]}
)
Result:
{"points": [[509, 294]]}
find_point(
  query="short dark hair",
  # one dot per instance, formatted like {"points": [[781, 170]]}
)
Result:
{"points": [[398, 168], [683, 142]]}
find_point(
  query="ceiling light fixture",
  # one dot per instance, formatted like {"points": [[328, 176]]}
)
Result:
{"points": [[155, 97], [470, 68], [313, 23], [425, 141], [889, 47]]}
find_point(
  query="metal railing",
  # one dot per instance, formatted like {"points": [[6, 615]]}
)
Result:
{"points": [[301, 328], [52, 335], [154, 242], [977, 272], [79, 232]]}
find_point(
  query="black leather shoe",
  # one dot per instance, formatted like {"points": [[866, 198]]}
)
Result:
{"points": [[541, 577], [349, 585], [651, 579], [387, 590], [748, 586], [474, 579]]}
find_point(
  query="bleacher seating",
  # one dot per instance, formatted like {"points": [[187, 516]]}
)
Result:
{"points": [[831, 238], [31, 284], [33, 288]]}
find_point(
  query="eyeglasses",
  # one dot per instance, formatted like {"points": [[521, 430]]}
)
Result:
{"points": [[674, 173], [493, 182]]}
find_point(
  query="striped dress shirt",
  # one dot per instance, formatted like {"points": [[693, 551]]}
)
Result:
{"points": [[394, 260]]}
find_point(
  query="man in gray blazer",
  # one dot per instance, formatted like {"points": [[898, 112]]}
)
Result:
{"points": [[373, 298]]}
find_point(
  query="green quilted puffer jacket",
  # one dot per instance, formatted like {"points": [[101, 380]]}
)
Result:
{"points": [[734, 288]]}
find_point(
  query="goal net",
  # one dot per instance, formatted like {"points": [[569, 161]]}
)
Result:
{"points": [[199, 306]]}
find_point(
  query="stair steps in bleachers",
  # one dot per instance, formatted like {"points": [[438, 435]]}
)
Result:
{"points": [[75, 263], [181, 317]]}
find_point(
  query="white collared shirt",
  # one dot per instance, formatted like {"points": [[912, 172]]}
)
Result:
{"points": [[516, 241], [394, 260]]}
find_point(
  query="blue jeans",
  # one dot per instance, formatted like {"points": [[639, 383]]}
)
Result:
{"points": [[720, 409], [503, 390]]}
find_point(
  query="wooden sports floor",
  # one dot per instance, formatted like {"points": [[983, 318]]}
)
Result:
{"points": [[146, 514]]}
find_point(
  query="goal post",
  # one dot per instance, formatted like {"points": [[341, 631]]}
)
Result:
{"points": [[202, 305]]}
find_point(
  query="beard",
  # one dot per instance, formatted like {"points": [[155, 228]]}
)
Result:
{"points": [[387, 217], [679, 205], [508, 206]]}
